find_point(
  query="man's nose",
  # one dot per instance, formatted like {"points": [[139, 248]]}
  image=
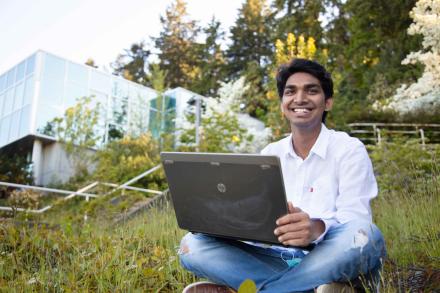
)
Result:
{"points": [[300, 97]]}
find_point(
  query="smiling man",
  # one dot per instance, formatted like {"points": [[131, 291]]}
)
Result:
{"points": [[329, 183]]}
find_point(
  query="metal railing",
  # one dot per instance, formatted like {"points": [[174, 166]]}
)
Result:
{"points": [[81, 191], [377, 132]]}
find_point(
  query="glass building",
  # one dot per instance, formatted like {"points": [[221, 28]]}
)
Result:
{"points": [[43, 86]]}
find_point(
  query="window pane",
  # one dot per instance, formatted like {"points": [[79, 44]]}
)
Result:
{"points": [[119, 110], [78, 74], [73, 93], [11, 75], [29, 90], [15, 126], [18, 100], [20, 71], [54, 67], [25, 121], [45, 116], [100, 82], [2, 101], [9, 102], [2, 82], [30, 64], [4, 130], [120, 88], [51, 92]]}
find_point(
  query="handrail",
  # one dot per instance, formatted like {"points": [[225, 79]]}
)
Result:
{"points": [[47, 189], [81, 191]]}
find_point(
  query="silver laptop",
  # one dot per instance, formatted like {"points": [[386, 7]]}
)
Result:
{"points": [[237, 196]]}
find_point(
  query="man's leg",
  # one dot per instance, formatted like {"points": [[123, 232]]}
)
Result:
{"points": [[228, 262], [347, 251]]}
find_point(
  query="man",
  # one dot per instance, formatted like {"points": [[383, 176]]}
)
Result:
{"points": [[329, 183]]}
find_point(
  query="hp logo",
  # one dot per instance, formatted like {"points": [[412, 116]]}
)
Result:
{"points": [[221, 187]]}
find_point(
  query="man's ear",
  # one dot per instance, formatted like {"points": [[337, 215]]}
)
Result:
{"points": [[329, 104]]}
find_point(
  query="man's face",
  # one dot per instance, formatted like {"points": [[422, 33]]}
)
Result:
{"points": [[303, 101]]}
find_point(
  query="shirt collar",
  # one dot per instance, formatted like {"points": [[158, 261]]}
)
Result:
{"points": [[319, 148]]}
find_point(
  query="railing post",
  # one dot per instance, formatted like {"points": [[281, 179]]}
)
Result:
{"points": [[379, 137], [422, 136]]}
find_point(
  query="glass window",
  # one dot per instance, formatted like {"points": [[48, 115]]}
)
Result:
{"points": [[2, 101], [25, 121], [2, 82], [119, 110], [54, 67], [30, 62], [78, 74], [120, 88], [100, 81], [28, 90], [20, 71], [45, 116], [4, 130], [9, 102], [51, 92], [18, 99], [10, 78], [15, 126], [73, 93]]}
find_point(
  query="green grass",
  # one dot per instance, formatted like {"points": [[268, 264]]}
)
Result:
{"points": [[140, 255]]}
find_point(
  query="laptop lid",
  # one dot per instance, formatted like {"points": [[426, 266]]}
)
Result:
{"points": [[237, 196]]}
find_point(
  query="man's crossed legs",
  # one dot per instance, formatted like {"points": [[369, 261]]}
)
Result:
{"points": [[347, 251]]}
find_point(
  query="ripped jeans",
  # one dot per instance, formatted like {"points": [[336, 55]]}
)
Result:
{"points": [[348, 251]]}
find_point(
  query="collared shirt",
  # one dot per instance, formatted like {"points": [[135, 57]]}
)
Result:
{"points": [[334, 183]]}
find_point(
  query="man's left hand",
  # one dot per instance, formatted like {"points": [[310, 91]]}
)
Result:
{"points": [[297, 229]]}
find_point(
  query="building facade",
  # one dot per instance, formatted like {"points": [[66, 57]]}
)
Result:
{"points": [[43, 86]]}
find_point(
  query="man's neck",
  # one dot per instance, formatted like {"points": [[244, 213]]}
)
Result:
{"points": [[304, 139]]}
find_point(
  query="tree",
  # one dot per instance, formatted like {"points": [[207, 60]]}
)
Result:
{"points": [[300, 17], [212, 61], [220, 128], [178, 47], [14, 168], [121, 160], [78, 132], [132, 63], [425, 93], [250, 51], [377, 42]]}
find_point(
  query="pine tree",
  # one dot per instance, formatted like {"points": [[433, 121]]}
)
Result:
{"points": [[132, 63], [178, 47], [213, 61], [250, 51]]}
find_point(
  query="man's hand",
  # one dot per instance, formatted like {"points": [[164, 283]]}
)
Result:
{"points": [[297, 229]]}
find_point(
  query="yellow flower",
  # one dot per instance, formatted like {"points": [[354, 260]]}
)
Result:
{"points": [[235, 138]]}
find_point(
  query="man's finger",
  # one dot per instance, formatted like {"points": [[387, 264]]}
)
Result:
{"points": [[291, 218], [292, 209]]}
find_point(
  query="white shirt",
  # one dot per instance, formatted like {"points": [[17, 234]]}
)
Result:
{"points": [[335, 183]]}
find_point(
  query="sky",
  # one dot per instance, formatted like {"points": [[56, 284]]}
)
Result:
{"points": [[97, 29]]}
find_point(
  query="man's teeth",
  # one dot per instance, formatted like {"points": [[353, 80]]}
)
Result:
{"points": [[301, 110]]}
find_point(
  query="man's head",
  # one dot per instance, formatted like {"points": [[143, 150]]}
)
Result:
{"points": [[305, 66]]}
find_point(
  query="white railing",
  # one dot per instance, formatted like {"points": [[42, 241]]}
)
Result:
{"points": [[81, 191], [374, 132]]}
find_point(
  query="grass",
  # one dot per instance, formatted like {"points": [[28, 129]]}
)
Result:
{"points": [[140, 255]]}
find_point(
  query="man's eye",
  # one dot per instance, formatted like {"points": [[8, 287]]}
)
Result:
{"points": [[288, 92], [313, 91]]}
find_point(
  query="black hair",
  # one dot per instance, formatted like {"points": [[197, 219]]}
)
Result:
{"points": [[307, 66]]}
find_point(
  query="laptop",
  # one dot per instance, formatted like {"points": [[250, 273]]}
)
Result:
{"points": [[238, 196]]}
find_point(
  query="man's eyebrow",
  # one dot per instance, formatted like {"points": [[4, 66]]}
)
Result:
{"points": [[307, 85]]}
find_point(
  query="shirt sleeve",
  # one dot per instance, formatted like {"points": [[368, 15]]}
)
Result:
{"points": [[357, 186]]}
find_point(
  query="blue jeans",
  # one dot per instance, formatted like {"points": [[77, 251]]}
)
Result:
{"points": [[348, 251]]}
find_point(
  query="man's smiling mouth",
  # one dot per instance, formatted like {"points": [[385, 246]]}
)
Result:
{"points": [[301, 110]]}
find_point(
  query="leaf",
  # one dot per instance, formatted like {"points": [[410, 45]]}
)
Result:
{"points": [[248, 286]]}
